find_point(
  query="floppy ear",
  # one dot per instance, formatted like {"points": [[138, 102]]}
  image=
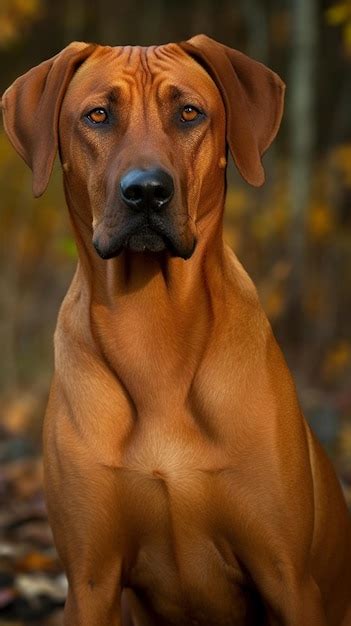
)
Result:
{"points": [[253, 97], [31, 108]]}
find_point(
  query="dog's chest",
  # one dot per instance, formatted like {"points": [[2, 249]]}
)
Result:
{"points": [[179, 558]]}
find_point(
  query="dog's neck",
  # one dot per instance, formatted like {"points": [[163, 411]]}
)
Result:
{"points": [[134, 298], [150, 318], [149, 315], [146, 273]]}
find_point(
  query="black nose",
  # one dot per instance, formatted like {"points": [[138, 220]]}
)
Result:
{"points": [[147, 189]]}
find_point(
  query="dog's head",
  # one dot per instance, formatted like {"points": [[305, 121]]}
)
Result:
{"points": [[143, 134]]}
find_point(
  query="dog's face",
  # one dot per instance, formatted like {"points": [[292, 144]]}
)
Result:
{"points": [[143, 135]]}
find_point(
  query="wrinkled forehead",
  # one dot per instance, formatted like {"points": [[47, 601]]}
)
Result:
{"points": [[162, 70]]}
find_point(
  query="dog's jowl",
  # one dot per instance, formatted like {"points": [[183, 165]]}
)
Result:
{"points": [[183, 484]]}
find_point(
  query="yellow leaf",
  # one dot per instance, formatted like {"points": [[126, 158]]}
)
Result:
{"points": [[236, 202], [27, 7], [7, 29], [347, 34], [337, 360], [342, 156], [273, 304], [341, 159], [320, 221], [338, 14], [345, 440], [280, 218], [14, 16]]}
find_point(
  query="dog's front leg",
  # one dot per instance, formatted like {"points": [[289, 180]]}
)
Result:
{"points": [[274, 539], [280, 571], [293, 602], [82, 498], [83, 607], [86, 536]]}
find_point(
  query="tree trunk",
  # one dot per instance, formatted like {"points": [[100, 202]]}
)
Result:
{"points": [[301, 107], [255, 19]]}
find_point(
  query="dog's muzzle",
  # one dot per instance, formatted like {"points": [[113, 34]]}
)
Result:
{"points": [[146, 195]]}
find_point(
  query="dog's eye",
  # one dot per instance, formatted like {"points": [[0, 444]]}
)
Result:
{"points": [[189, 113], [98, 116]]}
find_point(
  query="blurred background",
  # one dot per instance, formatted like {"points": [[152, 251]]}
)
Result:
{"points": [[293, 236]]}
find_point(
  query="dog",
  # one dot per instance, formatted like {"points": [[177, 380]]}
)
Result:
{"points": [[183, 485]]}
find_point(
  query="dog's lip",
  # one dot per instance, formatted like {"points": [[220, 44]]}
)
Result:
{"points": [[146, 238], [110, 247]]}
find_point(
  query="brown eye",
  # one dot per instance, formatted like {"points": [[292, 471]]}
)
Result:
{"points": [[98, 116], [189, 113]]}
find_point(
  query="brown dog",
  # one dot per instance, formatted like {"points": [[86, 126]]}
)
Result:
{"points": [[183, 484]]}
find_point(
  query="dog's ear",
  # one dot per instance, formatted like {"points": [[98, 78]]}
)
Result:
{"points": [[31, 108], [253, 97]]}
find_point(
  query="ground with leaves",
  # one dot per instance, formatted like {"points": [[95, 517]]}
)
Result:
{"points": [[32, 585]]}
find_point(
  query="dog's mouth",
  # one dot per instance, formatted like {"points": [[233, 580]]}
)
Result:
{"points": [[145, 239], [153, 235]]}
